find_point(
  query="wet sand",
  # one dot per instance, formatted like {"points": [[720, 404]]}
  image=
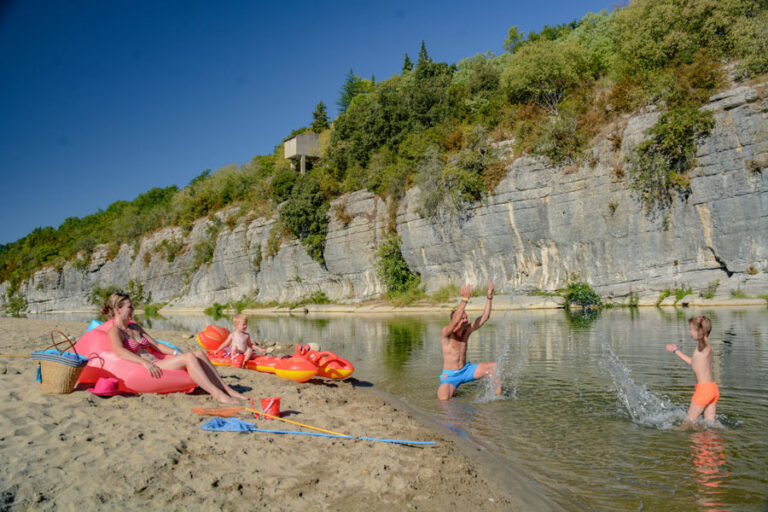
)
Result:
{"points": [[81, 451]]}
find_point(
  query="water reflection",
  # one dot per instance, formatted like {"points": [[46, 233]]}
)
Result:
{"points": [[403, 336], [457, 415], [582, 318], [709, 469], [146, 321]]}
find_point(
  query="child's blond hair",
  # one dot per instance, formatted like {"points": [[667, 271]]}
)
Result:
{"points": [[239, 318], [703, 327]]}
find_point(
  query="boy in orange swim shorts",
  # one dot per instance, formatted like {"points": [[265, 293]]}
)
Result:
{"points": [[706, 392]]}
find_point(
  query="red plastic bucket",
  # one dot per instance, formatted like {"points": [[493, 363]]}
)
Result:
{"points": [[271, 406]]}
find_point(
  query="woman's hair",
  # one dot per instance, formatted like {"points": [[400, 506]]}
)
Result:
{"points": [[113, 302]]}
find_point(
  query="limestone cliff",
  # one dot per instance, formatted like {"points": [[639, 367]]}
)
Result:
{"points": [[542, 226]]}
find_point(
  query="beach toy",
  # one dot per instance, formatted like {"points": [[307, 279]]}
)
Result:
{"points": [[295, 368], [212, 337], [300, 367], [264, 364], [329, 364], [132, 377], [271, 406], [238, 361]]}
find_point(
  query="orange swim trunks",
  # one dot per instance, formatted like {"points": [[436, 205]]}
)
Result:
{"points": [[706, 393]]}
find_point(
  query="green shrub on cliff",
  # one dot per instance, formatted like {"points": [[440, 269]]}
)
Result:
{"points": [[750, 40], [545, 72], [305, 214], [210, 192], [659, 168], [170, 248], [447, 183], [392, 268], [653, 34]]}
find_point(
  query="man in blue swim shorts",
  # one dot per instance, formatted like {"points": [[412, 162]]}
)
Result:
{"points": [[453, 338]]}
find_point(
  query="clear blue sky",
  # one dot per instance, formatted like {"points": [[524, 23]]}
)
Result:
{"points": [[101, 100]]}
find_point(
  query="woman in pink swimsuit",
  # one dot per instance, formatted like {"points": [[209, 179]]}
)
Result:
{"points": [[156, 357]]}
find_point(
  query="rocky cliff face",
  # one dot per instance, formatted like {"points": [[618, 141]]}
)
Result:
{"points": [[542, 226]]}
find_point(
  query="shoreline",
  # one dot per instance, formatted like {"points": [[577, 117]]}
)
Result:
{"points": [[149, 451], [500, 303]]}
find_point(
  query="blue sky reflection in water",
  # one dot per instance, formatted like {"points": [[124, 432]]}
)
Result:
{"points": [[590, 408]]}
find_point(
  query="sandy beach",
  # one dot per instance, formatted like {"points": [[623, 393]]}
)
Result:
{"points": [[82, 451]]}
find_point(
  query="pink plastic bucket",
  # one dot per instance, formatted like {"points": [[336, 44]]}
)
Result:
{"points": [[271, 406]]}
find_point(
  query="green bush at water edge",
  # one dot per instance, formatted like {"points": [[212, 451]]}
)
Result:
{"points": [[581, 294]]}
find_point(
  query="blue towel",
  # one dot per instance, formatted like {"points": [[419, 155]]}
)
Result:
{"points": [[228, 425], [67, 358]]}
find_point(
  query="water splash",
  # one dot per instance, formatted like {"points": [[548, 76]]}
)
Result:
{"points": [[509, 378], [644, 407], [509, 375]]}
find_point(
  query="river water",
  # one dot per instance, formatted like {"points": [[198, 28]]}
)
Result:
{"points": [[591, 405]]}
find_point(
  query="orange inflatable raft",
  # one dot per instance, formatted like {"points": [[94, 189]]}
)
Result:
{"points": [[300, 367]]}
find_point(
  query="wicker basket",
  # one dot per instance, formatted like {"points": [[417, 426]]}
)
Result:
{"points": [[58, 373]]}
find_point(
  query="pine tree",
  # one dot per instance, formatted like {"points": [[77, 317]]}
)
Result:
{"points": [[423, 57], [353, 85], [425, 68], [319, 118], [407, 64]]}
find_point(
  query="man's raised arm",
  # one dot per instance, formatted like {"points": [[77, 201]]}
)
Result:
{"points": [[466, 292], [479, 321]]}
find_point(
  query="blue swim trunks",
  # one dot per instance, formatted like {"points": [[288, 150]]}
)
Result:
{"points": [[458, 377]]}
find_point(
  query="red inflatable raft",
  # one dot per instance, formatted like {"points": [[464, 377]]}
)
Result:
{"points": [[300, 367]]}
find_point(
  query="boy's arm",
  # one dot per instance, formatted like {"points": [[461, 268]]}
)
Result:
{"points": [[673, 348], [466, 291], [479, 321]]}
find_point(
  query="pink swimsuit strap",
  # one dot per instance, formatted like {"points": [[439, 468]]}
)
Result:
{"points": [[134, 346]]}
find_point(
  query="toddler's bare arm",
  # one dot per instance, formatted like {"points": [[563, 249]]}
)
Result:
{"points": [[226, 343]]}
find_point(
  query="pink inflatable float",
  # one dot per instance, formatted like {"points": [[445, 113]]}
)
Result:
{"points": [[132, 377]]}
